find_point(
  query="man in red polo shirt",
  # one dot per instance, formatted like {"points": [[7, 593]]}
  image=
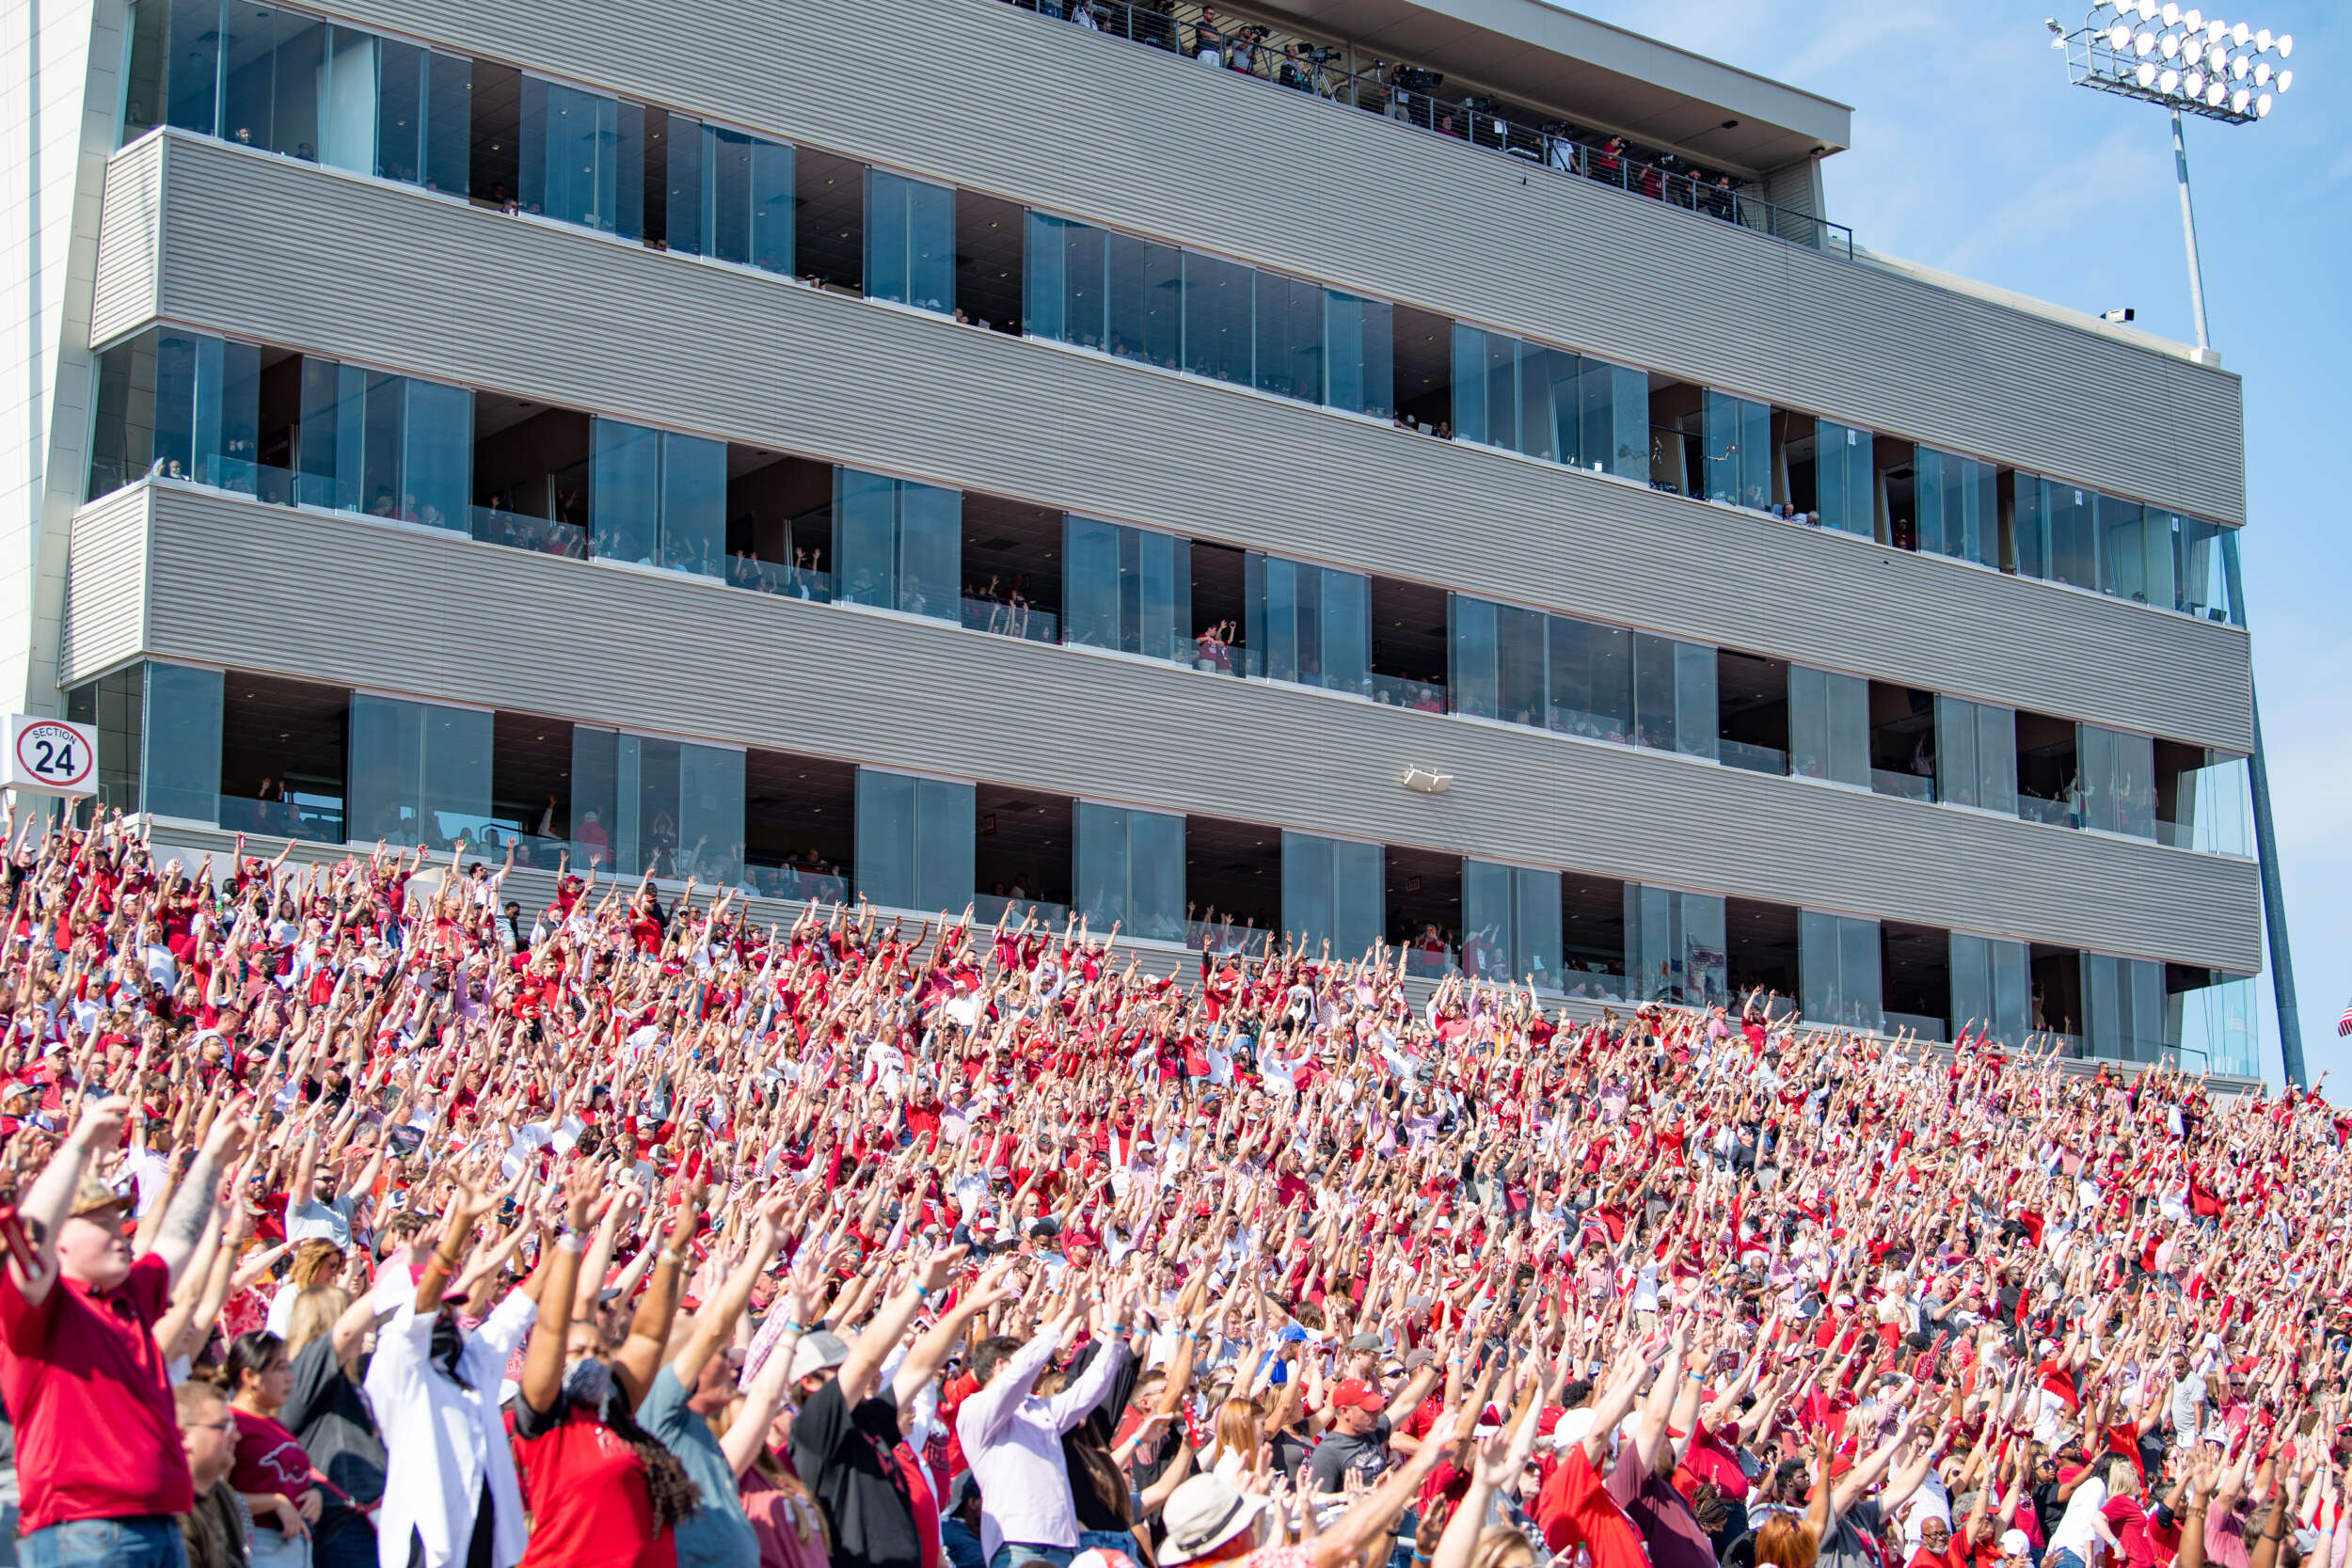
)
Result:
{"points": [[99, 1456]]}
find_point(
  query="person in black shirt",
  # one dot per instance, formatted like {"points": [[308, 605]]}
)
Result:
{"points": [[846, 1427]]}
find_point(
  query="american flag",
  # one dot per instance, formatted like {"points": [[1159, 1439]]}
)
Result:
{"points": [[2344, 1024]]}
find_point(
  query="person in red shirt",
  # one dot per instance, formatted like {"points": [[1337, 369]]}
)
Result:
{"points": [[97, 1431], [1573, 1506]]}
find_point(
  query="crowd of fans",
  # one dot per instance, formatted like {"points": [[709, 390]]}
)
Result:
{"points": [[359, 1218]]}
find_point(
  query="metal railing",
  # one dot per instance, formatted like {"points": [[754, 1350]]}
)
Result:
{"points": [[1336, 72]]}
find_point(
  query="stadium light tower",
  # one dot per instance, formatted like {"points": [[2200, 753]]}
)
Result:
{"points": [[2190, 63]]}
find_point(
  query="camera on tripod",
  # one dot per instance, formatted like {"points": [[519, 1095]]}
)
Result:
{"points": [[1412, 78], [1321, 53]]}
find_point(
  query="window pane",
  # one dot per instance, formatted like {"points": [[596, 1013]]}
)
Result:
{"points": [[122, 431], [625, 491], [192, 83], [571, 155], [1081, 298], [227, 415], [1820, 992], [1217, 312], [1167, 596], [2128, 568], [885, 838], [1739, 442], [2200, 569], [772, 204], [1469, 384], [886, 237], [1591, 685], [1848, 703], [448, 122], [333, 430], [1997, 758], [1145, 301], [1537, 366], [454, 781], [1858, 974], [1155, 875], [1470, 669], [1044, 285], [1696, 708], [865, 511], [1285, 344], [2117, 774], [1487, 919], [1956, 780], [143, 89], [1091, 582], [596, 795], [1100, 871], [348, 112], [1535, 926], [1808, 721], [1306, 887], [1346, 631], [383, 443], [297, 68], [1520, 667], [2073, 536], [1360, 344], [247, 57], [710, 814], [181, 754], [438, 463], [1503, 390], [1705, 959], [1846, 481], [930, 551], [1654, 691], [686, 212], [1357, 898]]}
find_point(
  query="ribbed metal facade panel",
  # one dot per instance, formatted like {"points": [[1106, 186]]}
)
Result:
{"points": [[129, 270], [343, 266], [105, 586], [990, 96], [902, 692]]}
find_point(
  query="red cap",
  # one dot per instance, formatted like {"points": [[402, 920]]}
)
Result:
{"points": [[1359, 1393]]}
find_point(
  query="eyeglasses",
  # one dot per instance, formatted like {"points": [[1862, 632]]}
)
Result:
{"points": [[226, 1424]]}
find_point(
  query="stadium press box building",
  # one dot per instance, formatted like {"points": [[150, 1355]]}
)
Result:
{"points": [[1429, 472]]}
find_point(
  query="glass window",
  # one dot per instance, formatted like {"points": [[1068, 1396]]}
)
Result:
{"points": [[578, 158], [1510, 924], [1359, 348], [1739, 441], [180, 759], [333, 433], [1547, 382], [115, 706], [1829, 725], [2056, 536], [419, 772], [914, 841], [694, 504], [437, 463], [1128, 588], [348, 111], [1674, 947], [1613, 419], [400, 101], [730, 196], [1147, 301], [710, 814], [1130, 870], [595, 802], [1846, 481], [1066, 293], [227, 415], [625, 491], [1332, 891], [1520, 667], [1312, 624], [2135, 551], [191, 86], [1976, 754], [1991, 994], [1673, 696], [1838, 959], [2210, 809], [1289, 318], [2201, 554], [448, 122], [1471, 668], [143, 78], [1959, 505], [2213, 1025], [900, 544], [2118, 775], [176, 382], [2123, 1008], [1591, 686], [122, 431], [1218, 310], [909, 241]]}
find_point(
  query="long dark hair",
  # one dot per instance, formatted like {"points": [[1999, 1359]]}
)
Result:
{"points": [[248, 1353]]}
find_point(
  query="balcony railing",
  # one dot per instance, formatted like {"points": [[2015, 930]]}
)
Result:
{"points": [[1338, 72]]}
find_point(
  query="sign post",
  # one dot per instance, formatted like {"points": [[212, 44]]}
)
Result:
{"points": [[51, 755]]}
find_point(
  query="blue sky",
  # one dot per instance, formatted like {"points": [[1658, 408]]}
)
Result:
{"points": [[1972, 153]]}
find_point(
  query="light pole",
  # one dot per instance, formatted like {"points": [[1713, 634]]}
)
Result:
{"points": [[2189, 63]]}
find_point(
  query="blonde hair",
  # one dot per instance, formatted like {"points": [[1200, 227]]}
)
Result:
{"points": [[314, 1264], [1237, 1432], [313, 1315], [1501, 1548], [1785, 1540]]}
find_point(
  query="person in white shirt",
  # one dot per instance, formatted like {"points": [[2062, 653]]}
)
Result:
{"points": [[2083, 1530], [1012, 1439]]}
